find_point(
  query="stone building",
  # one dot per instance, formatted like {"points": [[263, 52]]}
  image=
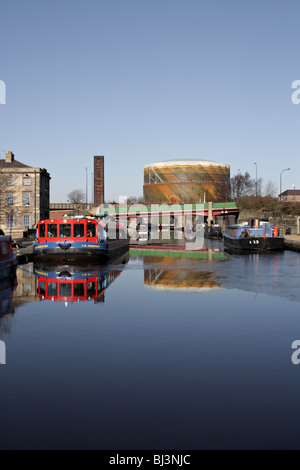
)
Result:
{"points": [[291, 195], [24, 196]]}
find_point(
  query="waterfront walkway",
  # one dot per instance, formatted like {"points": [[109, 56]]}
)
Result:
{"points": [[292, 242]]}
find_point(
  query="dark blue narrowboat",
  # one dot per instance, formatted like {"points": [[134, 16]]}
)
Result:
{"points": [[8, 260], [255, 236]]}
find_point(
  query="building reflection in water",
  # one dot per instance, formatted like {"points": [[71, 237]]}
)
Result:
{"points": [[25, 291], [76, 283], [170, 272]]}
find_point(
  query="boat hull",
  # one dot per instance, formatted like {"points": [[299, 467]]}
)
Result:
{"points": [[213, 233], [8, 267], [257, 244], [79, 251]]}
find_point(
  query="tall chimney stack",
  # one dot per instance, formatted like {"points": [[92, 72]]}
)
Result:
{"points": [[98, 180]]}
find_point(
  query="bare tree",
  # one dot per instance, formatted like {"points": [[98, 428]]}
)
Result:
{"points": [[224, 190], [244, 185], [135, 200], [270, 189], [7, 201], [76, 196]]}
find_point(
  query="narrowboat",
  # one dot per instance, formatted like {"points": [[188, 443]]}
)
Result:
{"points": [[8, 260], [253, 236], [84, 238], [7, 288], [213, 232]]}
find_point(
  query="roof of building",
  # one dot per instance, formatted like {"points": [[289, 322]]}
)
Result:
{"points": [[291, 192], [13, 164], [186, 161]]}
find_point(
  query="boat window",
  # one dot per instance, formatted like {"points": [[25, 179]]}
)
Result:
{"points": [[91, 289], [66, 290], [78, 230], [65, 231], [42, 231], [43, 288], [52, 289], [91, 230], [52, 231], [4, 248], [79, 289]]}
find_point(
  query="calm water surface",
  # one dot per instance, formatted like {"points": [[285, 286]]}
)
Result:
{"points": [[167, 352]]}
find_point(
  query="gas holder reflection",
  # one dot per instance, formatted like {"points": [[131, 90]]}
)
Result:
{"points": [[179, 274], [72, 283]]}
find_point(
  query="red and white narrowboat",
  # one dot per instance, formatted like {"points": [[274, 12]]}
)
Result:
{"points": [[75, 283], [74, 239]]}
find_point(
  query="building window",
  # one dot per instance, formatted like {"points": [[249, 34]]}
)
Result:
{"points": [[26, 182], [26, 199], [26, 221], [10, 221], [10, 181], [4, 248], [27, 274], [10, 199], [27, 288]]}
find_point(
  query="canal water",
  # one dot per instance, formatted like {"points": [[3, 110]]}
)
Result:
{"points": [[164, 349]]}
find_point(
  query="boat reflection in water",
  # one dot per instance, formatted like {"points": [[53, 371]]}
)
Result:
{"points": [[180, 274], [71, 283], [7, 289]]}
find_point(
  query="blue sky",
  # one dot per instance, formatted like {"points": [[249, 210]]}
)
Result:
{"points": [[142, 81]]}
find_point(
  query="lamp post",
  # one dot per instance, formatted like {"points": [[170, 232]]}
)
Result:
{"points": [[256, 179], [86, 185], [294, 188], [35, 221], [287, 169], [238, 183]]}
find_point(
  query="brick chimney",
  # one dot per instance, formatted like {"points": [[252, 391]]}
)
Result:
{"points": [[9, 157]]}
